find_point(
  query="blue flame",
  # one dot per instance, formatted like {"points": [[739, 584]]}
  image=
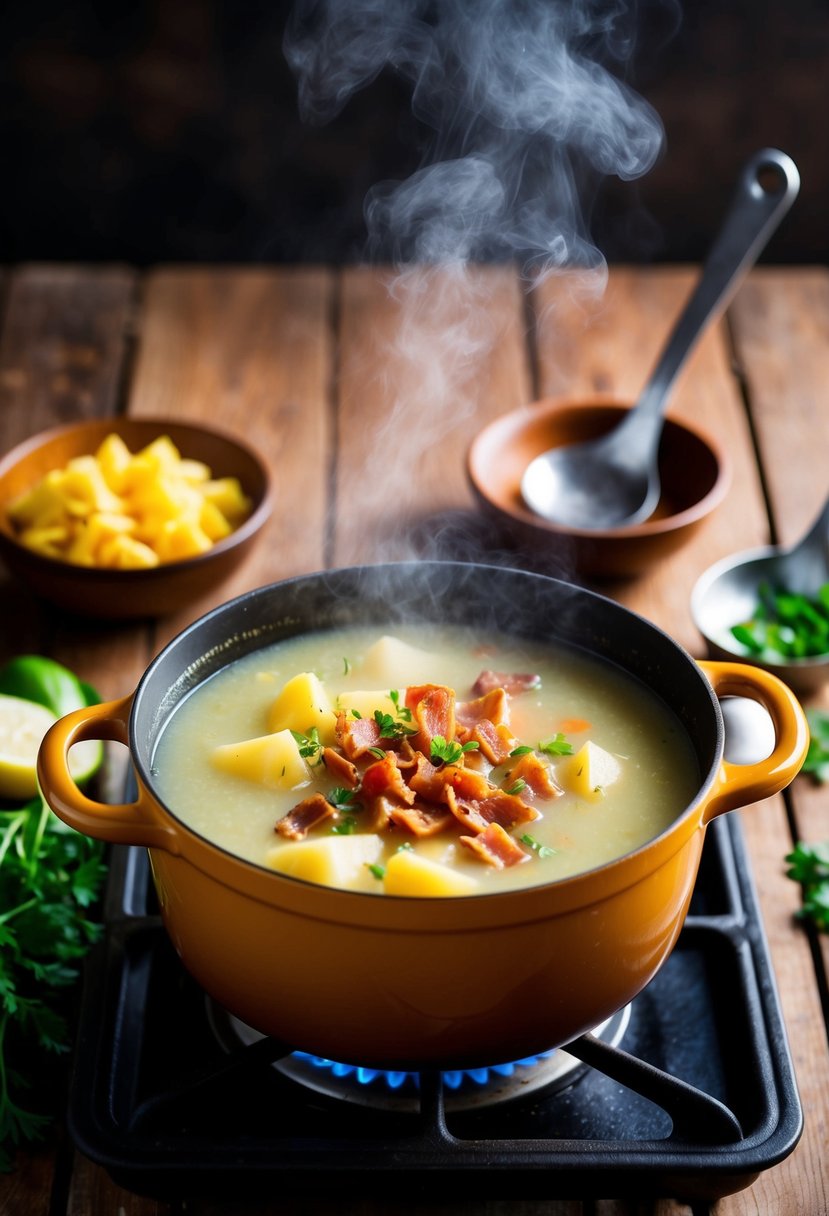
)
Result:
{"points": [[452, 1078]]}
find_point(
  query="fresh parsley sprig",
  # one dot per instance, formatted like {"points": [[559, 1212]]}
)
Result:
{"points": [[50, 876], [446, 751], [809, 865], [309, 745]]}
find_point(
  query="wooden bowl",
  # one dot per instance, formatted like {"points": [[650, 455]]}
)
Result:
{"points": [[122, 594], [694, 471]]}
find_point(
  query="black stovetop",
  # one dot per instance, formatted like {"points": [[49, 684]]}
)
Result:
{"points": [[698, 1098]]}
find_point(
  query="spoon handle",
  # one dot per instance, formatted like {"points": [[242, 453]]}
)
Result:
{"points": [[766, 190]]}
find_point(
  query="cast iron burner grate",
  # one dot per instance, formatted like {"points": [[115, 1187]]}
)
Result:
{"points": [[699, 1098]]}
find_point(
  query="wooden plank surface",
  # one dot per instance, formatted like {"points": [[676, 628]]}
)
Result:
{"points": [[363, 392]]}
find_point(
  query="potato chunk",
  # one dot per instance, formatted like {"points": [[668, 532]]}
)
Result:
{"points": [[589, 772], [303, 703], [407, 873], [270, 760], [334, 861], [394, 664], [364, 702]]}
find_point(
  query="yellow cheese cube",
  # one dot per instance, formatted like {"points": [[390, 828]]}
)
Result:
{"points": [[113, 457], [194, 472], [50, 541], [335, 861], [84, 489], [301, 704], [589, 771], [407, 873], [127, 553], [226, 493], [270, 760], [212, 522], [40, 506], [177, 539]]}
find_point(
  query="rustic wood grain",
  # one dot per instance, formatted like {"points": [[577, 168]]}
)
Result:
{"points": [[781, 324], [249, 352], [610, 344], [62, 355]]}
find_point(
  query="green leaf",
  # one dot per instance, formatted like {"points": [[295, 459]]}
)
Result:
{"points": [[556, 746]]}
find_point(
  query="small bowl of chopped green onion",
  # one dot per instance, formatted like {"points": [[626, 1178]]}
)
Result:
{"points": [[753, 608]]}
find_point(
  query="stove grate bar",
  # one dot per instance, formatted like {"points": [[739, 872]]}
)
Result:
{"points": [[695, 1115]]}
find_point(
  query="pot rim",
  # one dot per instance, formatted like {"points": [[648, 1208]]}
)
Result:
{"points": [[325, 903]]}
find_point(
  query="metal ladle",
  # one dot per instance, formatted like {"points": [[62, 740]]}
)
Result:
{"points": [[728, 592], [613, 481]]}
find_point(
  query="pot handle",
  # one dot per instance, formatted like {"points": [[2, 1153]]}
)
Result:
{"points": [[138, 822], [741, 784]]}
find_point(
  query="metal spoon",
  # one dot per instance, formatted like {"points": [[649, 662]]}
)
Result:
{"points": [[727, 593], [613, 481]]}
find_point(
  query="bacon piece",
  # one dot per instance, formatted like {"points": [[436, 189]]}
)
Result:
{"points": [[466, 782], [356, 736], [495, 847], [375, 815], [496, 742], [422, 819], [433, 713], [510, 682], [384, 779], [427, 779], [305, 815], [340, 768], [475, 814], [493, 706], [538, 776]]}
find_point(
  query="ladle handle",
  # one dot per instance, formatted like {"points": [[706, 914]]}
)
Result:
{"points": [[767, 187]]}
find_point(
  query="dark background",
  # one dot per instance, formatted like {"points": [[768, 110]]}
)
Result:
{"points": [[169, 131]]}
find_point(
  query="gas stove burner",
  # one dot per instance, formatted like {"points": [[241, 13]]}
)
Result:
{"points": [[464, 1088]]}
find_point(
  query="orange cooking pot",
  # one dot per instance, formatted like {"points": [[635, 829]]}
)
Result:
{"points": [[401, 982]]}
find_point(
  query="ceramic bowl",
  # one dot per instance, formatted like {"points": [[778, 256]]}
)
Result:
{"points": [[120, 594], [695, 474]]}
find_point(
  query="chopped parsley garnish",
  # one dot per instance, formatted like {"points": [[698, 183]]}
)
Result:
{"points": [[346, 666], [346, 827], [517, 786], [540, 850], [523, 750], [342, 797], [786, 624], [556, 746], [378, 871], [809, 865], [403, 712], [391, 729], [310, 745], [378, 752], [443, 751]]}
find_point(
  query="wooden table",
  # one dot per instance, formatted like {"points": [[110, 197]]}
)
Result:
{"points": [[345, 387]]}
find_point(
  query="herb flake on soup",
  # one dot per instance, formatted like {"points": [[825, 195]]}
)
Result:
{"points": [[432, 762]]}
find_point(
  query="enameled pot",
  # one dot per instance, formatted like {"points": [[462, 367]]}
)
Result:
{"points": [[406, 982]]}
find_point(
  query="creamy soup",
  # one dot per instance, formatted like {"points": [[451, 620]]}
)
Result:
{"points": [[430, 762]]}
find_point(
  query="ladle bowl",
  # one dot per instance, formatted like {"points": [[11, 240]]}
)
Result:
{"points": [[728, 592]]}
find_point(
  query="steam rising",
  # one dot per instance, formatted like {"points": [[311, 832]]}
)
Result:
{"points": [[525, 112], [524, 109]]}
